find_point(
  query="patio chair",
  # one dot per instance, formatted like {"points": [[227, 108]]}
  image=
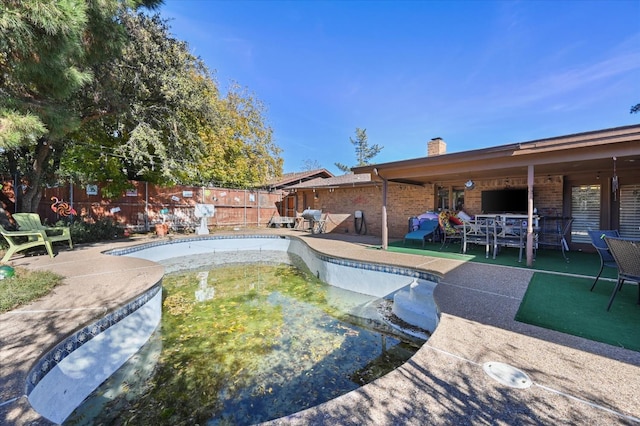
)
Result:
{"points": [[32, 222], [479, 232], [17, 243], [626, 253], [426, 229], [554, 232], [510, 233], [449, 231], [597, 240]]}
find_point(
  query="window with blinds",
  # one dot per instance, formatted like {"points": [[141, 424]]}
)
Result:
{"points": [[630, 211], [585, 209]]}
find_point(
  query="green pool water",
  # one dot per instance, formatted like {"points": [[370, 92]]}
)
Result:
{"points": [[247, 343]]}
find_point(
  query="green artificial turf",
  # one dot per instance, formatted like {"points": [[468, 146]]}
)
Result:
{"points": [[559, 302], [565, 304], [551, 260]]}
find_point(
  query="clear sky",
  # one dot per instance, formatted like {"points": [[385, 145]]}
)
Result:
{"points": [[475, 73]]}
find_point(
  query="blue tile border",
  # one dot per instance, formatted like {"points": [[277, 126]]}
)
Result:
{"points": [[357, 264], [84, 335], [380, 267]]}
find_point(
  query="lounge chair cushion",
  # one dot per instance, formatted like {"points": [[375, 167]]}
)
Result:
{"points": [[463, 216], [453, 219], [446, 224], [428, 225]]}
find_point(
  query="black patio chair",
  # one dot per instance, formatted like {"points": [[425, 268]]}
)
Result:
{"points": [[626, 253], [597, 240]]}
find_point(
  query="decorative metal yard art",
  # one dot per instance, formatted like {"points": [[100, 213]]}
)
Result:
{"points": [[204, 211], [62, 208]]}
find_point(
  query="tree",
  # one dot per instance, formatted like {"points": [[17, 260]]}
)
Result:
{"points": [[143, 113], [47, 54], [364, 152], [240, 148], [141, 108], [309, 165]]}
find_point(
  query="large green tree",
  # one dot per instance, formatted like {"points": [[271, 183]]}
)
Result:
{"points": [[143, 113], [137, 104], [164, 120], [47, 53], [364, 152]]}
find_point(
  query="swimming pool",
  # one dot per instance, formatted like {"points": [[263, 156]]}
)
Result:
{"points": [[69, 372]]}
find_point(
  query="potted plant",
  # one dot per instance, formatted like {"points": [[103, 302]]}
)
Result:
{"points": [[162, 229]]}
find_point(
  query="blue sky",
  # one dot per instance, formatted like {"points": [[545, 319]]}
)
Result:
{"points": [[475, 73]]}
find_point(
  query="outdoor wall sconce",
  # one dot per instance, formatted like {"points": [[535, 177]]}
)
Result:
{"points": [[470, 184]]}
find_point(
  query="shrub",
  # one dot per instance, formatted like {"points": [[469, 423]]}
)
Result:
{"points": [[100, 230], [87, 232]]}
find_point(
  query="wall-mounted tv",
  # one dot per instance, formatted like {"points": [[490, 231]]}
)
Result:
{"points": [[505, 201]]}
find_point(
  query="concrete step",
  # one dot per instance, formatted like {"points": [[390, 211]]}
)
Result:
{"points": [[416, 306]]}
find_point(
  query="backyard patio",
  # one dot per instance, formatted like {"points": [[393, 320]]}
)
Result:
{"points": [[575, 378]]}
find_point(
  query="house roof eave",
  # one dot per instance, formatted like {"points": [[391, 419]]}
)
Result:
{"points": [[591, 150]]}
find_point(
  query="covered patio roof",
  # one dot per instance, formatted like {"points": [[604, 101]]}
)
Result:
{"points": [[574, 155], [582, 153]]}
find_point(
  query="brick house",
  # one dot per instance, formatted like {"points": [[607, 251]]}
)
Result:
{"points": [[593, 177], [288, 206]]}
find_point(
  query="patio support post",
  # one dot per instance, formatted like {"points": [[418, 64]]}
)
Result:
{"points": [[385, 231], [530, 215]]}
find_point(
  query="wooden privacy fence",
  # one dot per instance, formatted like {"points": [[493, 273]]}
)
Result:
{"points": [[146, 205]]}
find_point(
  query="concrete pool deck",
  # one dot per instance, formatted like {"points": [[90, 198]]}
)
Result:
{"points": [[575, 381]]}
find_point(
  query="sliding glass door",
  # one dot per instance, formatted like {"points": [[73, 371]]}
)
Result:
{"points": [[630, 211], [585, 210]]}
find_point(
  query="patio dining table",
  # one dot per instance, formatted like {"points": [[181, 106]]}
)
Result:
{"points": [[509, 224], [510, 230]]}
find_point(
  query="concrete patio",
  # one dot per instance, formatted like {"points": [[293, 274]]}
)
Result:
{"points": [[575, 381]]}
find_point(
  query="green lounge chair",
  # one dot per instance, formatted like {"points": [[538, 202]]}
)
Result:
{"points": [[34, 238], [32, 222]]}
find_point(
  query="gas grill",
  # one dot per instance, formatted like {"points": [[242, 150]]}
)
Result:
{"points": [[314, 220]]}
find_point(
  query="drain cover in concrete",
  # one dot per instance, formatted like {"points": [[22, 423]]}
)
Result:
{"points": [[507, 375]]}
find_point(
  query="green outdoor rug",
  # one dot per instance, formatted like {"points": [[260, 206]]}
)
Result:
{"points": [[580, 263], [565, 304]]}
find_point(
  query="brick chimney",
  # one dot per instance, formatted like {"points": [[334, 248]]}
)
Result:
{"points": [[436, 146]]}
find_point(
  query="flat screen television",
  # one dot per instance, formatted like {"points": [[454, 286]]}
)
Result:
{"points": [[504, 201]]}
